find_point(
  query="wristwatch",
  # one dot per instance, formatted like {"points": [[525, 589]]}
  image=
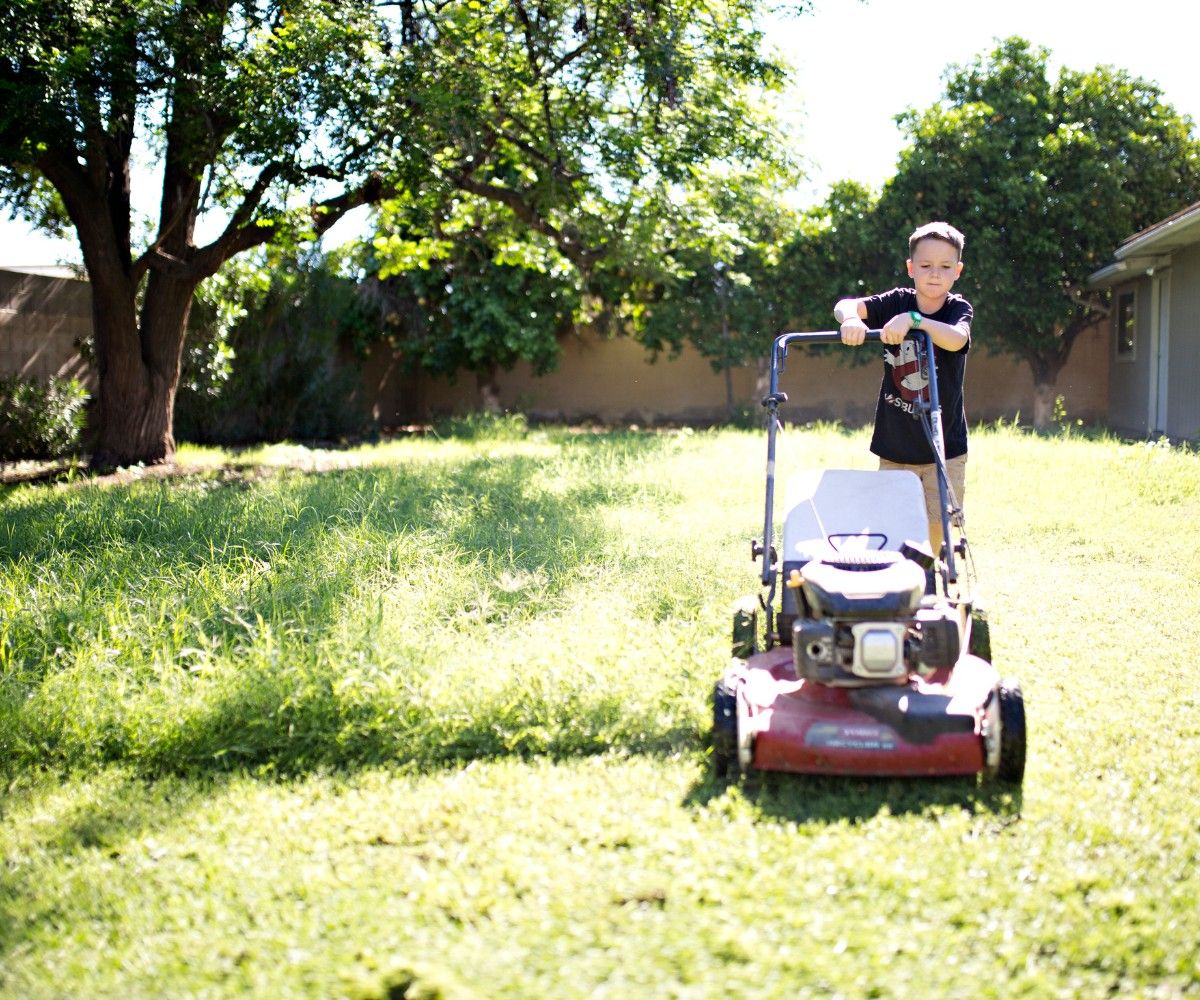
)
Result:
{"points": [[916, 319]]}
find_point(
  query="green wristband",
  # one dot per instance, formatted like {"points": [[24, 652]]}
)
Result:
{"points": [[916, 318]]}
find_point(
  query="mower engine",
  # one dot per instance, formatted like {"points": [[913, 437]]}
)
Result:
{"points": [[863, 618]]}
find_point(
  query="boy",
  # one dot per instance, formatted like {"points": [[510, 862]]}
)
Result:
{"points": [[934, 263]]}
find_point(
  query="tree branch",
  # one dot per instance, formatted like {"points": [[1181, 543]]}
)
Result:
{"points": [[238, 222], [372, 191], [324, 214], [570, 245]]}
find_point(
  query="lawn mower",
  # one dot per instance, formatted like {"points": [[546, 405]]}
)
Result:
{"points": [[873, 658]]}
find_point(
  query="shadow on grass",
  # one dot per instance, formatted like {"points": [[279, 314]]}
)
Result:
{"points": [[802, 798]]}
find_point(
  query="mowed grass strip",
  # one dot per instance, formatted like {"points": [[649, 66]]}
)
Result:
{"points": [[434, 718]]}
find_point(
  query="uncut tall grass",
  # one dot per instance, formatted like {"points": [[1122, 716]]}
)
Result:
{"points": [[440, 602]]}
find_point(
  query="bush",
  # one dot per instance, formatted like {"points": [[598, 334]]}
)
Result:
{"points": [[268, 358], [40, 419]]}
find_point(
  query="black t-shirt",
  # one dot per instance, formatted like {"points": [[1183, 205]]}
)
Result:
{"points": [[898, 435]]}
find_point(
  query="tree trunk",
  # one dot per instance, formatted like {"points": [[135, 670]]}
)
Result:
{"points": [[1047, 364], [1044, 395], [138, 367], [489, 390], [1045, 369], [762, 380]]}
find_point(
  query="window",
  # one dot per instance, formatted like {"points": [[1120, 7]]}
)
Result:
{"points": [[1126, 317]]}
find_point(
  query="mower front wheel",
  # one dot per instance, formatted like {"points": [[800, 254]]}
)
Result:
{"points": [[725, 730], [1004, 744]]}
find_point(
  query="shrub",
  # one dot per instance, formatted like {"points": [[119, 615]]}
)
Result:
{"points": [[40, 419], [268, 358]]}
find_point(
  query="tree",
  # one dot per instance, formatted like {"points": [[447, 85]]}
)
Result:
{"points": [[278, 118], [836, 251], [1046, 178], [714, 286], [469, 290]]}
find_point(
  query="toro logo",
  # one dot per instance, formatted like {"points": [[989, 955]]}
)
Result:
{"points": [[850, 737]]}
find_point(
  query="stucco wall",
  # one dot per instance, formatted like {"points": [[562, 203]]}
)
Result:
{"points": [[612, 380], [43, 320]]}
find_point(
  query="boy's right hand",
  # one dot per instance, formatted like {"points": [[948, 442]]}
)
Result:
{"points": [[853, 331]]}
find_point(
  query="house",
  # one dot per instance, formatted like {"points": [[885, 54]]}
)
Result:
{"points": [[1155, 329]]}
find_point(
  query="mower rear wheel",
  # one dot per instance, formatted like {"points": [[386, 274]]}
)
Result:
{"points": [[1012, 733], [724, 731]]}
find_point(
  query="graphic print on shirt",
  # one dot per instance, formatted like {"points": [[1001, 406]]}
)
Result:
{"points": [[906, 376]]}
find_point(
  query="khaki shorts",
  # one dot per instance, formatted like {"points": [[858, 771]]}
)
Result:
{"points": [[956, 472]]}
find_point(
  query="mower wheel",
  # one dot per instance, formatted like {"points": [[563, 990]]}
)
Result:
{"points": [[724, 731], [1012, 733], [980, 643]]}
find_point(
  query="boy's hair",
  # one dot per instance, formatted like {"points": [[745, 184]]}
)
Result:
{"points": [[939, 231]]}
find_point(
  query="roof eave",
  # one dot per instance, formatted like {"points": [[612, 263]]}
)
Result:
{"points": [[1165, 237], [1125, 270]]}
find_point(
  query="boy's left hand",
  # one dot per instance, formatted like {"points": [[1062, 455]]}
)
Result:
{"points": [[895, 329]]}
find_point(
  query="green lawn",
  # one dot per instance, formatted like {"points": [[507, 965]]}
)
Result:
{"points": [[429, 718]]}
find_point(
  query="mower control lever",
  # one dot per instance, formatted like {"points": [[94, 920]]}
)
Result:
{"points": [[756, 551]]}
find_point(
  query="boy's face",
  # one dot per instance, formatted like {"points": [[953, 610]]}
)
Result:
{"points": [[934, 267]]}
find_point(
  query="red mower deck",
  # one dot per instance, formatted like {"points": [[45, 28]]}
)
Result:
{"points": [[924, 727]]}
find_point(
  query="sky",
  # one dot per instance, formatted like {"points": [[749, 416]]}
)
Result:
{"points": [[859, 63]]}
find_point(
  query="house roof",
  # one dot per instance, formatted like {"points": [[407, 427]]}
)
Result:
{"points": [[1150, 248]]}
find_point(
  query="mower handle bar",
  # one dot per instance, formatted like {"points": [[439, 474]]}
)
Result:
{"points": [[774, 398], [780, 348]]}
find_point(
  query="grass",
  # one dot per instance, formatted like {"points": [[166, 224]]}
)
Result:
{"points": [[428, 718]]}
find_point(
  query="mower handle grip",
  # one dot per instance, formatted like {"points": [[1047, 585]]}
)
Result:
{"points": [[780, 348], [820, 336], [784, 340]]}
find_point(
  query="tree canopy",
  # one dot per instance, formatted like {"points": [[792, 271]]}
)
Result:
{"points": [[582, 121]]}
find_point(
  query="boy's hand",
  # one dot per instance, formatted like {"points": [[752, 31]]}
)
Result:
{"points": [[853, 331], [895, 329]]}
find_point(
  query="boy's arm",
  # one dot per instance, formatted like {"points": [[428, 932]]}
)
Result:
{"points": [[947, 337], [851, 315]]}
